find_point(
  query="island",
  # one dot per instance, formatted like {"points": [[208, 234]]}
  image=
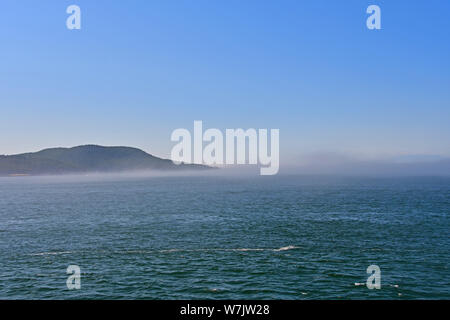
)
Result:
{"points": [[87, 159]]}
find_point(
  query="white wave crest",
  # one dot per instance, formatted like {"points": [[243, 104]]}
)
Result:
{"points": [[286, 248], [50, 253]]}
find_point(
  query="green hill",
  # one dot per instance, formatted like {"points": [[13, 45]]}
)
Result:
{"points": [[87, 159]]}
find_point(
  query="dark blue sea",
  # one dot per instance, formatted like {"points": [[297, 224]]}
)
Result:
{"points": [[281, 237]]}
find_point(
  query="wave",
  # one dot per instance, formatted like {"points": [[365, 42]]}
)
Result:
{"points": [[290, 247], [363, 284], [51, 253], [286, 248]]}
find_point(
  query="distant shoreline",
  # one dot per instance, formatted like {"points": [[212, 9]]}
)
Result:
{"points": [[88, 159]]}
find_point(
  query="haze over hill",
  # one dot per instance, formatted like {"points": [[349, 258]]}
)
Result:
{"points": [[87, 159]]}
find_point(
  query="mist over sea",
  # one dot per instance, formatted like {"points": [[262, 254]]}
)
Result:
{"points": [[218, 237]]}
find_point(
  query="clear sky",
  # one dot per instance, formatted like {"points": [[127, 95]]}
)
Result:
{"points": [[137, 70]]}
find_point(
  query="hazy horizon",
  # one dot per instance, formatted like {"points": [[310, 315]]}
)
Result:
{"points": [[333, 164]]}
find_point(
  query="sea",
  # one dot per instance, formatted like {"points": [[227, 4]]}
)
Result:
{"points": [[224, 237]]}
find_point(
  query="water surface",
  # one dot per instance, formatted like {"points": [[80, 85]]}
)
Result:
{"points": [[224, 238]]}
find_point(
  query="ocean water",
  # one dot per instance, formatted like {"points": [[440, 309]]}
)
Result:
{"points": [[210, 237]]}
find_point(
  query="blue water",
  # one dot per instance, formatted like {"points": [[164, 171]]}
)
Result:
{"points": [[225, 238]]}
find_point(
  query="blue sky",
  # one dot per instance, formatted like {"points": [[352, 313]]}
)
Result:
{"points": [[137, 70]]}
